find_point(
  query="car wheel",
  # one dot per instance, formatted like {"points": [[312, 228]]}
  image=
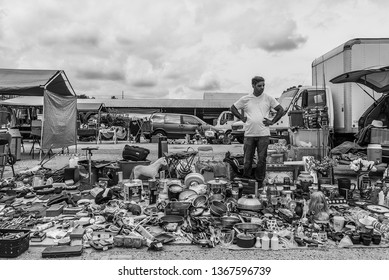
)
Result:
{"points": [[240, 139], [159, 133], [228, 138]]}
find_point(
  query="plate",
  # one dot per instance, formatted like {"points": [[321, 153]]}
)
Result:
{"points": [[360, 203], [367, 221], [377, 208]]}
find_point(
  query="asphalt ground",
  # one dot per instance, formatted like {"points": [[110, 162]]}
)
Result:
{"points": [[111, 152]]}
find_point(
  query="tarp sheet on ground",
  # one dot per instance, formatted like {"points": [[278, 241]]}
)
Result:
{"points": [[59, 105]]}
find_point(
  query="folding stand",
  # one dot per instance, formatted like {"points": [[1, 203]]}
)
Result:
{"points": [[88, 154]]}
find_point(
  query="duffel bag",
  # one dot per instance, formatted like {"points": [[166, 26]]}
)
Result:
{"points": [[135, 153]]}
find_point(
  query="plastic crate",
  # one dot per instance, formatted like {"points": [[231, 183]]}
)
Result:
{"points": [[12, 248], [379, 135], [317, 152]]}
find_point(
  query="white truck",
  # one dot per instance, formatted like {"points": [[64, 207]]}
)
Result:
{"points": [[224, 122], [351, 101]]}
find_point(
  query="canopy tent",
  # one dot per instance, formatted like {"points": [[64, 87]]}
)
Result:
{"points": [[37, 101], [59, 102]]}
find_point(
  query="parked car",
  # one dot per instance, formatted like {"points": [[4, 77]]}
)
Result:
{"points": [[176, 126]]}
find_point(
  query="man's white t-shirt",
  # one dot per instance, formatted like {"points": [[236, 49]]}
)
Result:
{"points": [[256, 109]]}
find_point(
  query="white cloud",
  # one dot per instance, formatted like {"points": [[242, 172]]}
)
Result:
{"points": [[180, 48]]}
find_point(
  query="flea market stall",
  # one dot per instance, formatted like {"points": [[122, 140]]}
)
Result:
{"points": [[59, 102], [205, 203]]}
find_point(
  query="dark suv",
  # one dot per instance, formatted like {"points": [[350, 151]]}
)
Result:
{"points": [[176, 125]]}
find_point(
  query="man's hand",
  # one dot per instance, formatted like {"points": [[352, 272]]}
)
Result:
{"points": [[267, 122], [244, 119]]}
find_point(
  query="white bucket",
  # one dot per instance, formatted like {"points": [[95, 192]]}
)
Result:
{"points": [[374, 153]]}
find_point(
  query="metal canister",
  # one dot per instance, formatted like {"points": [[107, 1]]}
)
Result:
{"points": [[152, 191], [235, 190]]}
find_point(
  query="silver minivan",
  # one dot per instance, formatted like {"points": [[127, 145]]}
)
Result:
{"points": [[176, 126]]}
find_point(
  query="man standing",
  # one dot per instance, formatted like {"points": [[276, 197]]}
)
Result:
{"points": [[256, 108]]}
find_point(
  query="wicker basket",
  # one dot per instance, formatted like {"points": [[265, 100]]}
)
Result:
{"points": [[12, 248]]}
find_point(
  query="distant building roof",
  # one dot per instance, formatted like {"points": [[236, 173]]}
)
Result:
{"points": [[161, 103], [223, 95]]}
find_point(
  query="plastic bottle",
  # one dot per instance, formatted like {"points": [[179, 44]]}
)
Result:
{"points": [[72, 162], [381, 198], [76, 159], [274, 242], [258, 243], [265, 242]]}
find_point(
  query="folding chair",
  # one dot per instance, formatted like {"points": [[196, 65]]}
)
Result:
{"points": [[180, 164]]}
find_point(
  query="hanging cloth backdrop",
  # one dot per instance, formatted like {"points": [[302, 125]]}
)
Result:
{"points": [[59, 120]]}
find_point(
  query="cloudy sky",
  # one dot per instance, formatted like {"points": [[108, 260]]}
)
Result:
{"points": [[181, 48]]}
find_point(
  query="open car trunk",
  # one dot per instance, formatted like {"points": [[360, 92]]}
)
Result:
{"points": [[376, 79]]}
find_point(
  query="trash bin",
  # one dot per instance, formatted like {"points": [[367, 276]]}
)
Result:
{"points": [[162, 146], [16, 143]]}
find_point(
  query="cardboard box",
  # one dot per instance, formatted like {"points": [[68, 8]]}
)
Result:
{"points": [[54, 210]]}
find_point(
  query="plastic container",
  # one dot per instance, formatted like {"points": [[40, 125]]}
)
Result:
{"points": [[274, 242], [374, 153], [379, 135], [265, 242], [317, 137]]}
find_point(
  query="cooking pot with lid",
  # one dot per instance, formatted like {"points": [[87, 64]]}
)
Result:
{"points": [[174, 191], [217, 186]]}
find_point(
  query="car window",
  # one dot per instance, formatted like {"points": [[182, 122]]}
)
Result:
{"points": [[173, 119], [157, 118], [316, 98], [190, 120]]}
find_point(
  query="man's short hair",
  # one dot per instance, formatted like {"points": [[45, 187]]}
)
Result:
{"points": [[257, 79]]}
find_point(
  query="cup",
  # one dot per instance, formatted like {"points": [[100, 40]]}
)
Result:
{"points": [[226, 237], [366, 239], [376, 239], [338, 223]]}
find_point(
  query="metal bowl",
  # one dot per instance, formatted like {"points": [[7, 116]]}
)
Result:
{"points": [[172, 219], [200, 201]]}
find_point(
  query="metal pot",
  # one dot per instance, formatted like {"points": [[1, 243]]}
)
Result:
{"points": [[247, 227], [229, 221], [217, 186], [216, 197], [245, 240], [174, 191], [250, 203], [218, 208]]}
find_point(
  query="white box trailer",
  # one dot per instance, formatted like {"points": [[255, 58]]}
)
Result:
{"points": [[350, 100]]}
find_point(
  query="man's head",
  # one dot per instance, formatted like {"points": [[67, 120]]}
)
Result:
{"points": [[258, 84]]}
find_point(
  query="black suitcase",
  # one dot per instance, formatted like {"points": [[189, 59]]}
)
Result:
{"points": [[135, 153], [62, 251]]}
